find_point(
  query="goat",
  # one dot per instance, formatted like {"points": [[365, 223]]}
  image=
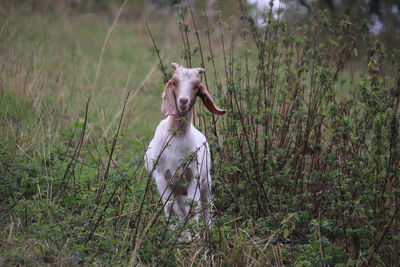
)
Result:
{"points": [[178, 156]]}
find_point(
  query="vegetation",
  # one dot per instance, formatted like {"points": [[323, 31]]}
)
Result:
{"points": [[305, 162]]}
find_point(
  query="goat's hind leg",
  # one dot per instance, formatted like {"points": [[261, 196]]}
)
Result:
{"points": [[206, 201]]}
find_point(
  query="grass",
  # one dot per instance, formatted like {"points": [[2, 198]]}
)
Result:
{"points": [[305, 161], [53, 58], [48, 66]]}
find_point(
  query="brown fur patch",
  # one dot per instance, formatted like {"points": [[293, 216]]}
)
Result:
{"points": [[177, 186]]}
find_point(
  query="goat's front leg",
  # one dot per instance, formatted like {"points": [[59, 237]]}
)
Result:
{"points": [[173, 202], [193, 207], [165, 192], [192, 200]]}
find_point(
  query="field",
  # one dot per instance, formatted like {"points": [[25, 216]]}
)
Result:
{"points": [[305, 162]]}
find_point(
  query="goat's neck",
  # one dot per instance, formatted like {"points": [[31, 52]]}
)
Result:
{"points": [[180, 124]]}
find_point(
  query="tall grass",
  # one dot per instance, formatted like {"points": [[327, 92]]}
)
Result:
{"points": [[305, 162]]}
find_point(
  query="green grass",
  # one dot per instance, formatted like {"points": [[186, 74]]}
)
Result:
{"points": [[299, 169], [48, 65], [50, 61]]}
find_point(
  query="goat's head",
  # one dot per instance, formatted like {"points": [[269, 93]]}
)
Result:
{"points": [[180, 92]]}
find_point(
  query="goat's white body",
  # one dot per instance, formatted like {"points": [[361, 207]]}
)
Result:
{"points": [[173, 155], [178, 157]]}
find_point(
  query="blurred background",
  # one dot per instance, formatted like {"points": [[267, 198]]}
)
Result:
{"points": [[70, 36]]}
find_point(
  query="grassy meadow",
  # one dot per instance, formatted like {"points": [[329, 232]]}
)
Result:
{"points": [[51, 64], [305, 162]]}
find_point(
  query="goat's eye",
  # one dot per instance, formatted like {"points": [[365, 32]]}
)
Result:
{"points": [[196, 88]]}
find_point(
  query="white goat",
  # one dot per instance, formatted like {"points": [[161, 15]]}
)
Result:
{"points": [[178, 157]]}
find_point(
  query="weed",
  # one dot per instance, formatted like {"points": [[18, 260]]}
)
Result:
{"points": [[305, 162]]}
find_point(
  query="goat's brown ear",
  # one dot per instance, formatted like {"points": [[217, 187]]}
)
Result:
{"points": [[208, 101], [168, 106]]}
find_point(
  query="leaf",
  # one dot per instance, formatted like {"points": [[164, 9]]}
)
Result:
{"points": [[285, 233], [333, 42], [372, 65]]}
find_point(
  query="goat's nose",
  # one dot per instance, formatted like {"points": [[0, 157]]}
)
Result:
{"points": [[183, 100]]}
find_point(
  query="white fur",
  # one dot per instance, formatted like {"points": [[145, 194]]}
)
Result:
{"points": [[178, 157], [167, 152]]}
